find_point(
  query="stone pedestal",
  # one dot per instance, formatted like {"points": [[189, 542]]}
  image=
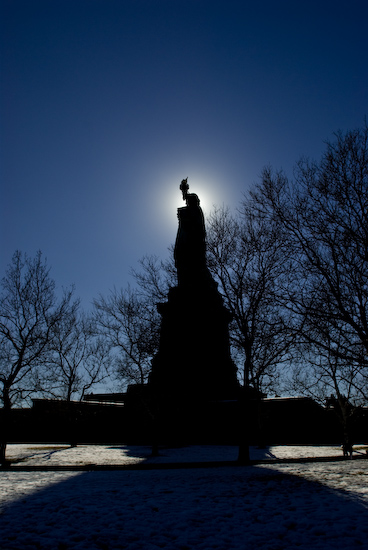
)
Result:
{"points": [[193, 362]]}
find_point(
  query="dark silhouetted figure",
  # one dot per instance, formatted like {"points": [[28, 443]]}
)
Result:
{"points": [[190, 246]]}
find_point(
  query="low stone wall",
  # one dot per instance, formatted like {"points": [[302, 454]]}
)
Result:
{"points": [[269, 421]]}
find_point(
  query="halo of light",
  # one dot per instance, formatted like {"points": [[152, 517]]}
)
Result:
{"points": [[209, 191], [166, 197]]}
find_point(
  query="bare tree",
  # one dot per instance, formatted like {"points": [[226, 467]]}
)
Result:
{"points": [[324, 212], [29, 313], [79, 359], [129, 320], [155, 277], [246, 259], [131, 326]]}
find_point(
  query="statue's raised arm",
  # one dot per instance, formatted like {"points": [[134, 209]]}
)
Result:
{"points": [[184, 186]]}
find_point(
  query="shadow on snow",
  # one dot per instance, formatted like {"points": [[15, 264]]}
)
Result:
{"points": [[234, 507]]}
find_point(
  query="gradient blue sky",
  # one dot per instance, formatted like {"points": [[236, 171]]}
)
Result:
{"points": [[107, 104]]}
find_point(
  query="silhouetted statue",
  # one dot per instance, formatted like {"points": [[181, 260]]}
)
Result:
{"points": [[190, 246], [193, 362]]}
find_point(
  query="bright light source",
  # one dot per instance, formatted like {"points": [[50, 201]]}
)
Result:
{"points": [[208, 191], [166, 197]]}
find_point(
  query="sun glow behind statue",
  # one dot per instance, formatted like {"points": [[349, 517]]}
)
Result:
{"points": [[209, 193], [166, 197]]}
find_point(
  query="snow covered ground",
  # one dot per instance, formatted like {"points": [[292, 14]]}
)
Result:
{"points": [[272, 505]]}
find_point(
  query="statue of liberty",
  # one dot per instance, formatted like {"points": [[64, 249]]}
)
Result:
{"points": [[190, 245]]}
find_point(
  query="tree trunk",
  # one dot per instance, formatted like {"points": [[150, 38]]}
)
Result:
{"points": [[346, 421], [3, 461], [244, 410], [243, 453], [4, 432]]}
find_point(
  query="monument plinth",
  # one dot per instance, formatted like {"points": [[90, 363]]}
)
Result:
{"points": [[193, 364]]}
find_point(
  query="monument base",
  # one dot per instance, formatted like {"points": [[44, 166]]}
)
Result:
{"points": [[180, 422], [193, 363], [193, 383]]}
